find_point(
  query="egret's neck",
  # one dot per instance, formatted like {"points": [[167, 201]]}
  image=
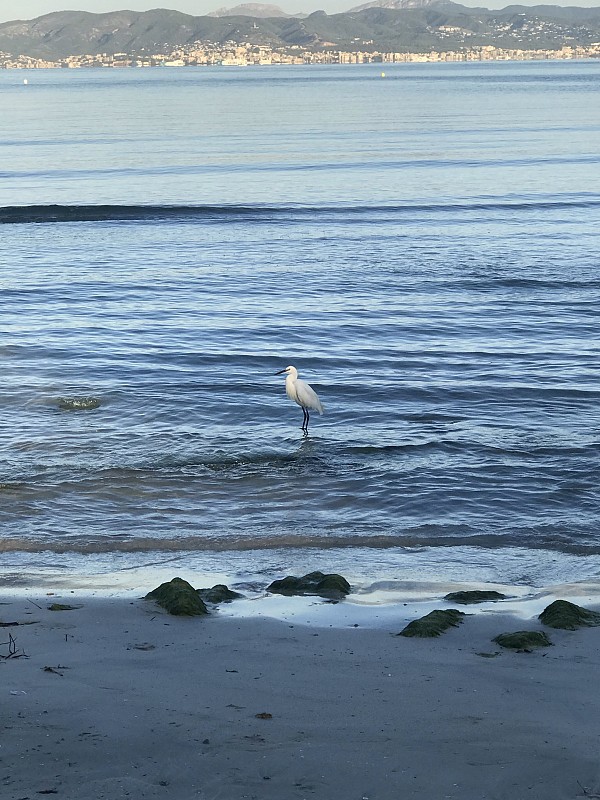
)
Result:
{"points": [[290, 387]]}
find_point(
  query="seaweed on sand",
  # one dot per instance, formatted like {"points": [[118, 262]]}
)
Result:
{"points": [[568, 616], [433, 624], [331, 585], [218, 594], [523, 641], [178, 597], [474, 596]]}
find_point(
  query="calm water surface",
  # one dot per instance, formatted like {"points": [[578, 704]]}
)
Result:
{"points": [[422, 247]]}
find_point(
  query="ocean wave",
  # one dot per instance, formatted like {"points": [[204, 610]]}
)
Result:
{"points": [[417, 541], [117, 213], [145, 213], [301, 166]]}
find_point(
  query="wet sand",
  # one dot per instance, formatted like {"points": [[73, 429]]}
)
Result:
{"points": [[117, 699]]}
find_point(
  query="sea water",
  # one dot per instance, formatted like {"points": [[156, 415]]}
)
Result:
{"points": [[422, 247]]}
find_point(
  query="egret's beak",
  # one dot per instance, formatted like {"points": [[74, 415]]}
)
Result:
{"points": [[281, 371]]}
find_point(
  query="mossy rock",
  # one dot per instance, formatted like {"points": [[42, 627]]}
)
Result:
{"points": [[474, 596], [78, 403], [433, 624], [568, 616], [331, 585], [218, 594], [178, 597], [523, 640]]}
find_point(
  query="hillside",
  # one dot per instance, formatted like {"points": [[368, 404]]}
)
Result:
{"points": [[256, 10], [436, 25]]}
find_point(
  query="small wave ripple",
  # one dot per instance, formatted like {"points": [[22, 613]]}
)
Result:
{"points": [[45, 214]]}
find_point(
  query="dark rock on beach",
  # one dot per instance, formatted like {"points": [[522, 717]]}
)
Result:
{"points": [[568, 616], [433, 624], [178, 597], [523, 641], [474, 596], [330, 586], [218, 594]]}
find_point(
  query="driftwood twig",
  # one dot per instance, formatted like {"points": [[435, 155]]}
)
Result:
{"points": [[13, 651]]}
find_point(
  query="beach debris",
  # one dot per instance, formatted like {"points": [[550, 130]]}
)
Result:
{"points": [[218, 594], [264, 715], [54, 670], [474, 596], [62, 607], [586, 792], [178, 597], [523, 641], [331, 585], [78, 403], [13, 651], [433, 624], [142, 646], [568, 616]]}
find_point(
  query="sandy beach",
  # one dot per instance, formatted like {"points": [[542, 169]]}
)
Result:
{"points": [[116, 699]]}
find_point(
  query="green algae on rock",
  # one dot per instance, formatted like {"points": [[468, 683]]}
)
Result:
{"points": [[523, 640], [218, 594], [568, 616], [331, 586], [78, 403], [433, 624], [474, 596], [178, 597]]}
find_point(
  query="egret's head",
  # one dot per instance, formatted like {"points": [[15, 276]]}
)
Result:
{"points": [[287, 371]]}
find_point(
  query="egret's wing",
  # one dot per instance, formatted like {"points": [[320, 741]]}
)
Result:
{"points": [[307, 397]]}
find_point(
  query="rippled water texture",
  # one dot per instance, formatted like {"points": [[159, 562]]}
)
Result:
{"points": [[422, 247]]}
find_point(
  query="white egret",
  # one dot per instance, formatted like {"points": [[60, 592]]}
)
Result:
{"points": [[300, 392]]}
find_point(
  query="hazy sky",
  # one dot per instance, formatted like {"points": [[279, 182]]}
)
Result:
{"points": [[28, 9]]}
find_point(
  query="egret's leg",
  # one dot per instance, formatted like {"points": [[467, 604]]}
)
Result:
{"points": [[304, 420]]}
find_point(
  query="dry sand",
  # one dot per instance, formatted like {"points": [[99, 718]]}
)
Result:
{"points": [[140, 704]]}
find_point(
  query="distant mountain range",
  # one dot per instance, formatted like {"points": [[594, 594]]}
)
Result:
{"points": [[385, 25], [256, 10], [397, 4], [266, 10]]}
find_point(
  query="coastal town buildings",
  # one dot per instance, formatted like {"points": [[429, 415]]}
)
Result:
{"points": [[234, 54]]}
